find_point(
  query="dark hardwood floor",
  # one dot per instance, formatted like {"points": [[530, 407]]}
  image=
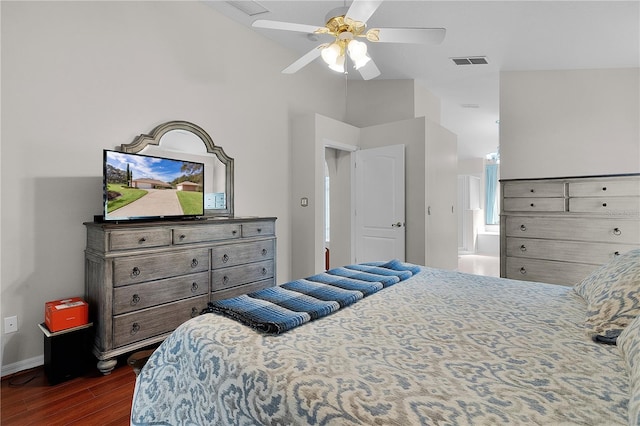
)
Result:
{"points": [[93, 399]]}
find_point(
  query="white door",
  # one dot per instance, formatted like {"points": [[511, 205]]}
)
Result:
{"points": [[441, 238], [379, 204]]}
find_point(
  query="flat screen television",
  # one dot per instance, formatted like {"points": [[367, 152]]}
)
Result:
{"points": [[139, 187]]}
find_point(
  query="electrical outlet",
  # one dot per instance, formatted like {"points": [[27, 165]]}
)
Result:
{"points": [[10, 324]]}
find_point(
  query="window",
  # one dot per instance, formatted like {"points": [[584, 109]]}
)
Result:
{"points": [[492, 199]]}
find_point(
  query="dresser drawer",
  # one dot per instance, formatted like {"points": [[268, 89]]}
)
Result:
{"points": [[139, 296], [566, 251], [534, 204], [137, 269], [202, 233], [139, 325], [574, 229], [533, 189], [605, 205], [243, 274], [144, 238], [605, 188], [257, 229], [237, 254], [547, 271]]}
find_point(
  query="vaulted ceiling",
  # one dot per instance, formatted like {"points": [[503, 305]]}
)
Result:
{"points": [[512, 35]]}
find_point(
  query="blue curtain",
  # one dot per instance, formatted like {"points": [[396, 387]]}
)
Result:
{"points": [[491, 186]]}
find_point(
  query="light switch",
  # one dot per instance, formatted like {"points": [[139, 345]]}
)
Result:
{"points": [[304, 201]]}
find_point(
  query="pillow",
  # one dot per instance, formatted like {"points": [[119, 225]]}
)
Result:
{"points": [[629, 346], [612, 293]]}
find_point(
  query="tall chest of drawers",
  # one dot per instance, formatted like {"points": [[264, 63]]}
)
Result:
{"points": [[143, 280], [559, 230]]}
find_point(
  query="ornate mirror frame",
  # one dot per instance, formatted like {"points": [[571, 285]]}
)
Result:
{"points": [[154, 137]]}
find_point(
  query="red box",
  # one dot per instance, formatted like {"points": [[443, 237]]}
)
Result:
{"points": [[65, 313]]}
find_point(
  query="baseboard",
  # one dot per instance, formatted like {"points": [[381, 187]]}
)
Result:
{"points": [[25, 364]]}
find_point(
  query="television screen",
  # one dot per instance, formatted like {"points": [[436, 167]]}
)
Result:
{"points": [[139, 187]]}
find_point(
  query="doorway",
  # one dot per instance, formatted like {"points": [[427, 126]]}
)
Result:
{"points": [[341, 234], [337, 206]]}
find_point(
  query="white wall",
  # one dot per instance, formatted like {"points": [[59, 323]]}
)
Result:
{"points": [[379, 101], [309, 136], [374, 102], [78, 77], [426, 104], [471, 166], [569, 123]]}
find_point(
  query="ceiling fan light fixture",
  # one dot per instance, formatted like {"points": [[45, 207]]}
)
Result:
{"points": [[331, 53], [358, 53], [338, 65], [347, 24]]}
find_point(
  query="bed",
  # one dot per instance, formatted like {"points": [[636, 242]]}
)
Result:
{"points": [[438, 348]]}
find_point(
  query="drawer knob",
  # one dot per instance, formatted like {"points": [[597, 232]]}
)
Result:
{"points": [[532, 205], [523, 271], [604, 204], [264, 271], [194, 263], [135, 327], [617, 231], [617, 253], [259, 230], [194, 287], [142, 240], [234, 232], [264, 252], [194, 312], [135, 271], [523, 228], [225, 258], [182, 237], [533, 190], [523, 248], [225, 279], [604, 188], [135, 299]]}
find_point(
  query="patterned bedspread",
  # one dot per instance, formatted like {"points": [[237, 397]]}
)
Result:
{"points": [[441, 348]]}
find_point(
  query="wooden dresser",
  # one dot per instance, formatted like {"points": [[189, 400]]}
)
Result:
{"points": [[142, 280], [558, 230]]}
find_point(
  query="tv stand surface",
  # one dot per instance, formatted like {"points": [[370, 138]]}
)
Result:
{"points": [[143, 279]]}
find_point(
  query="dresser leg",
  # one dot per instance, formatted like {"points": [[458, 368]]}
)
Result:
{"points": [[107, 365]]}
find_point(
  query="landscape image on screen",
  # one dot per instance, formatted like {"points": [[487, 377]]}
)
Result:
{"points": [[139, 186]]}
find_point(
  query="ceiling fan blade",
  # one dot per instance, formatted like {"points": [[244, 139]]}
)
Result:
{"points": [[303, 61], [287, 26], [369, 70], [407, 35], [361, 10]]}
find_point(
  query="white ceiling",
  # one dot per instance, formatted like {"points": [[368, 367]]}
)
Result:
{"points": [[513, 35]]}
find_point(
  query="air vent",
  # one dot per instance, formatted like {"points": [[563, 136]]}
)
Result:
{"points": [[471, 60], [251, 8]]}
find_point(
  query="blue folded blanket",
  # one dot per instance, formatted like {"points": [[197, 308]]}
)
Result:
{"points": [[281, 308]]}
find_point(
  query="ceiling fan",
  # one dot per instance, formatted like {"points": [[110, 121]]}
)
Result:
{"points": [[347, 25]]}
